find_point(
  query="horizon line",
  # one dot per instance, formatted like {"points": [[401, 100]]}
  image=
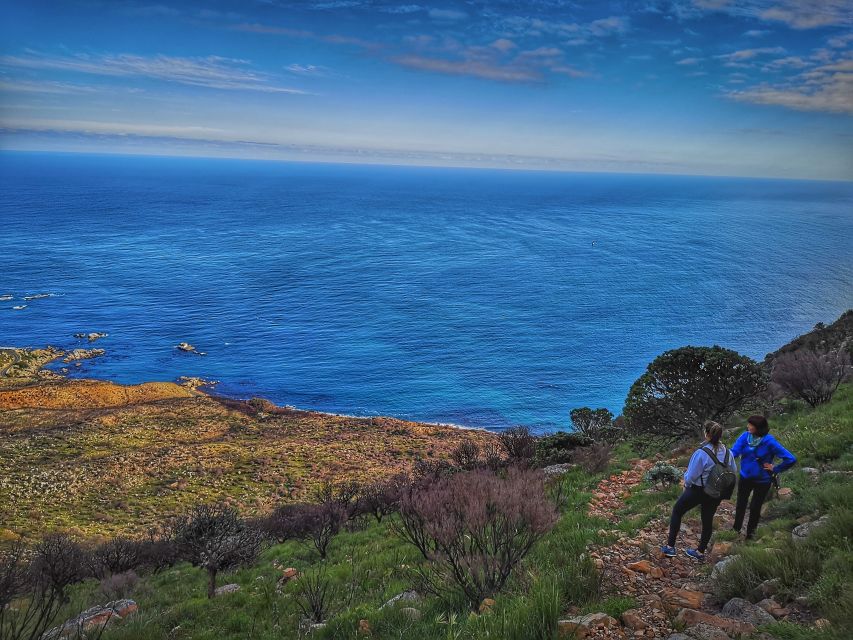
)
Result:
{"points": [[413, 165]]}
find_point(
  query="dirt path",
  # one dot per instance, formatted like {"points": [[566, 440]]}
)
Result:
{"points": [[633, 566]]}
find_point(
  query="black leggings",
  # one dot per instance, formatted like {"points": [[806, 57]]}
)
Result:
{"points": [[694, 496], [759, 491]]}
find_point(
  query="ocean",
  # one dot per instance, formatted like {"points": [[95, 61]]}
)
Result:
{"points": [[482, 298]]}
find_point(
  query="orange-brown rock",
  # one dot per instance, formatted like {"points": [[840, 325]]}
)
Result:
{"points": [[690, 617], [682, 598], [486, 605], [632, 620]]}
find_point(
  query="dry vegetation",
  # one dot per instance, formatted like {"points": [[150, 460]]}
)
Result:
{"points": [[102, 458]]}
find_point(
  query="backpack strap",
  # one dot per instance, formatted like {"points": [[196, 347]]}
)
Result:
{"points": [[714, 457]]}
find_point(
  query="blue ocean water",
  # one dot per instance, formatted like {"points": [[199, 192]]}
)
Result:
{"points": [[477, 297]]}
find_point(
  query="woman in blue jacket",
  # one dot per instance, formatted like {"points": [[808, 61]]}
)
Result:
{"points": [[757, 449]]}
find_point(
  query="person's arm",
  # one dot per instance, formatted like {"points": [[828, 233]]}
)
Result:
{"points": [[737, 447], [695, 468], [788, 459], [732, 463]]}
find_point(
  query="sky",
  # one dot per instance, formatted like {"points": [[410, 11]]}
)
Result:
{"points": [[710, 87]]}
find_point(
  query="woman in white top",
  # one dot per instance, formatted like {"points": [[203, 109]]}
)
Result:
{"points": [[700, 467]]}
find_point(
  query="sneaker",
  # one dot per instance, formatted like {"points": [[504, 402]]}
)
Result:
{"points": [[669, 552], [695, 554]]}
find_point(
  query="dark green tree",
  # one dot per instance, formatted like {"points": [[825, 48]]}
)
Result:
{"points": [[683, 388], [594, 423]]}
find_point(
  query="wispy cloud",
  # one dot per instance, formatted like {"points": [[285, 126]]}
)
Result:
{"points": [[213, 72], [797, 14], [331, 38], [689, 61], [827, 87], [479, 69]]}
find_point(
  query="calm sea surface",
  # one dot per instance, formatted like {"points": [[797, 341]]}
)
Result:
{"points": [[483, 298]]}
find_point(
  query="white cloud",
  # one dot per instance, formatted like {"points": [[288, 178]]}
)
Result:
{"points": [[212, 71], [827, 88], [689, 61]]}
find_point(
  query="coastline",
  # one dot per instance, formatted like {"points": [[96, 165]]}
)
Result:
{"points": [[49, 354]]}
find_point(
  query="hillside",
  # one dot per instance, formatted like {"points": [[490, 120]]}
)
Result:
{"points": [[102, 458]]}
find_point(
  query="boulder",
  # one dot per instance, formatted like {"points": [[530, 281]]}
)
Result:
{"points": [[486, 605], [83, 354], [721, 566], [632, 620], [674, 599], [406, 596], [768, 587], [803, 531], [773, 608], [225, 589], [810, 471], [704, 631], [93, 619], [691, 617], [582, 626], [744, 610], [556, 469], [785, 493]]}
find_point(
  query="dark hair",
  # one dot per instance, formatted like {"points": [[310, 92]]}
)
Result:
{"points": [[760, 424], [714, 431]]}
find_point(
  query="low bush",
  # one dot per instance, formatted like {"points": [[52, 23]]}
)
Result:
{"points": [[474, 528], [811, 376], [593, 459], [519, 445], [559, 447], [215, 539], [662, 474]]}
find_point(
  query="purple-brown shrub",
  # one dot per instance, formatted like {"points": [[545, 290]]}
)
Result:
{"points": [[475, 527]]}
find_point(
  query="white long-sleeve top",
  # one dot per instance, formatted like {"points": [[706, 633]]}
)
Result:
{"points": [[701, 464]]}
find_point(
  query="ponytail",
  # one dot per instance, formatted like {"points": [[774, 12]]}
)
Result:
{"points": [[713, 431]]}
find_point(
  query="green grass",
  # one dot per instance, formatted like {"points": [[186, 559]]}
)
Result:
{"points": [[821, 567], [368, 566]]}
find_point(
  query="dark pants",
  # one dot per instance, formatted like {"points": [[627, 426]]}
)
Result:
{"points": [[693, 497], [759, 491]]}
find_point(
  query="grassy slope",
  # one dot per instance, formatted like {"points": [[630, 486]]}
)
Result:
{"points": [[370, 565], [367, 567], [107, 459]]}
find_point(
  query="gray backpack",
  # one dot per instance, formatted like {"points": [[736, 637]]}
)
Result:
{"points": [[721, 481]]}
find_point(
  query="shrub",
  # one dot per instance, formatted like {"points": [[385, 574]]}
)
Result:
{"points": [[119, 585], [37, 602], [474, 528], [215, 539], [115, 556], [313, 594], [663, 474], [157, 551], [383, 497], [683, 388], [466, 455], [596, 424], [58, 562], [593, 459], [519, 444], [810, 376], [558, 447]]}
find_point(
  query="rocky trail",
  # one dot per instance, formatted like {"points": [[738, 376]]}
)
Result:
{"points": [[671, 593]]}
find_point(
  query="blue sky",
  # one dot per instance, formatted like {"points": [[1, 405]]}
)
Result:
{"points": [[716, 87]]}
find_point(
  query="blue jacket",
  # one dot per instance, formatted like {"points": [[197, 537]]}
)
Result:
{"points": [[752, 460]]}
